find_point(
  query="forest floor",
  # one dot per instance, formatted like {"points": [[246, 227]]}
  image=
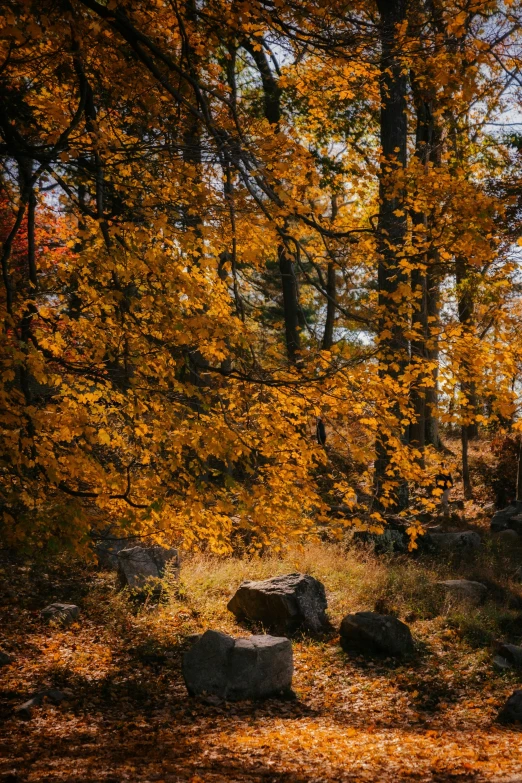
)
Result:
{"points": [[127, 715]]}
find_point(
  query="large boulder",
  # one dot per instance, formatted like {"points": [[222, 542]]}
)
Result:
{"points": [[141, 568], [62, 614], [283, 604], [368, 633], [511, 712], [258, 667], [464, 590], [452, 543]]}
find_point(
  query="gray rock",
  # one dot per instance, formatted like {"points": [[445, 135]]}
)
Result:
{"points": [[501, 664], [515, 523], [500, 520], [458, 542], [63, 614], [283, 604], [465, 590], [390, 540], [375, 634], [512, 653], [108, 551], [5, 659], [142, 567], [259, 667], [511, 712], [508, 537]]}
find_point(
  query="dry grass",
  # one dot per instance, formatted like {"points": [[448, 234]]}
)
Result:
{"points": [[355, 579]]}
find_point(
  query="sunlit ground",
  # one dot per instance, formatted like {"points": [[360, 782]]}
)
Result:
{"points": [[128, 716]]}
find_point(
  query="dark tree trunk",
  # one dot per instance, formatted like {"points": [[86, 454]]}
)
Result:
{"points": [[418, 279], [424, 429], [291, 309], [290, 304], [192, 153], [432, 436], [392, 225], [466, 310], [30, 284], [519, 472], [466, 480], [418, 355], [331, 292]]}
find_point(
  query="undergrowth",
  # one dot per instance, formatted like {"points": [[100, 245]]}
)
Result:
{"points": [[355, 578]]}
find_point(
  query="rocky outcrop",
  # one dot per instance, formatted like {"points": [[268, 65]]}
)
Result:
{"points": [[141, 568], [257, 667], [369, 633], [283, 604]]}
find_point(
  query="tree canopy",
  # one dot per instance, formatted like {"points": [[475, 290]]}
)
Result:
{"points": [[222, 221]]}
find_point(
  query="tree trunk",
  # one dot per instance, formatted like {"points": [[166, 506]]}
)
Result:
{"points": [[467, 385], [418, 355], [392, 227], [424, 430], [466, 480], [519, 472], [272, 110], [466, 308], [331, 291], [290, 304], [432, 436]]}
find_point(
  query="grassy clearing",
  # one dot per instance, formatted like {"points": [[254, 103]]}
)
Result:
{"points": [[355, 579], [428, 719]]}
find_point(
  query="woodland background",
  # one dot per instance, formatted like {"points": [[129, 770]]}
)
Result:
{"points": [[221, 220], [225, 224]]}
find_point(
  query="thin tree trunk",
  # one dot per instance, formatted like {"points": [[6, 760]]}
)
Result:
{"points": [[392, 226], [424, 430], [466, 480], [26, 323], [418, 354], [465, 310], [331, 291], [432, 435], [418, 278], [272, 109], [519, 472], [290, 304]]}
